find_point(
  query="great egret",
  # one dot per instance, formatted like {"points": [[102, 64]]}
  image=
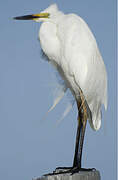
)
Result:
{"points": [[71, 47]]}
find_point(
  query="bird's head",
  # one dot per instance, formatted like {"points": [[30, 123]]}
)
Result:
{"points": [[48, 14]]}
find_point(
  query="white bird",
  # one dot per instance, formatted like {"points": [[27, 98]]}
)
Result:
{"points": [[71, 48]]}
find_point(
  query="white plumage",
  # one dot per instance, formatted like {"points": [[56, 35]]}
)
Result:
{"points": [[71, 47]]}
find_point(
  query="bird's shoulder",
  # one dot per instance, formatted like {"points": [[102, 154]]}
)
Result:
{"points": [[73, 27], [70, 20]]}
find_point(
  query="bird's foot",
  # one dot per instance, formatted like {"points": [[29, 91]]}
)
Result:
{"points": [[71, 170], [63, 168]]}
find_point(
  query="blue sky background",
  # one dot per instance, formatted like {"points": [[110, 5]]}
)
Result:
{"points": [[29, 145]]}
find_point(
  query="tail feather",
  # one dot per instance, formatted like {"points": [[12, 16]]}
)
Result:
{"points": [[95, 120]]}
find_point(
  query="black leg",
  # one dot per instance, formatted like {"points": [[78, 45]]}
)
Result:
{"points": [[82, 120], [76, 160], [79, 128], [82, 133]]}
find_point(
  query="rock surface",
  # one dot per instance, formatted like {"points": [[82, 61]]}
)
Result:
{"points": [[83, 175]]}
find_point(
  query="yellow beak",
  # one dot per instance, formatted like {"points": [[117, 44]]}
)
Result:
{"points": [[32, 16]]}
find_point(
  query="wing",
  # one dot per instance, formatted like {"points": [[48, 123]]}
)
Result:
{"points": [[83, 65]]}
